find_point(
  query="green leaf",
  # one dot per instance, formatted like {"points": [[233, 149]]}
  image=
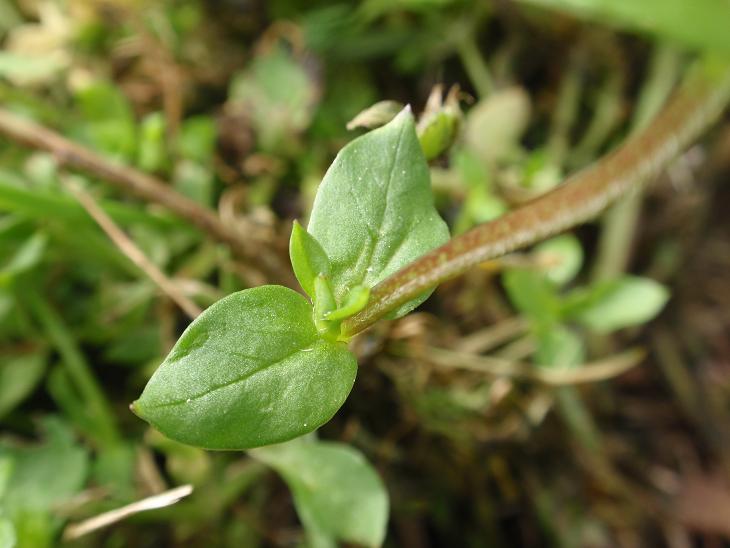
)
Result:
{"points": [[28, 69], [152, 149], [197, 138], [7, 533], [324, 303], [439, 124], [6, 467], [616, 304], [377, 115], [438, 134], [114, 469], [250, 371], [195, 181], [355, 301], [482, 203], [494, 126], [374, 210], [337, 493], [308, 259], [109, 124], [47, 475], [25, 258], [184, 463], [697, 23], [562, 258], [278, 95], [19, 375], [531, 293], [40, 204], [559, 347], [34, 529]]}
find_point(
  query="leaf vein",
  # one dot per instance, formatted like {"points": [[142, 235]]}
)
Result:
{"points": [[388, 187], [220, 386]]}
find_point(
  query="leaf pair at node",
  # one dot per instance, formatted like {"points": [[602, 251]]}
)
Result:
{"points": [[263, 365], [312, 268]]}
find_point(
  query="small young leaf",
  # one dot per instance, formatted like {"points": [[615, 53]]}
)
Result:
{"points": [[493, 127], [558, 347], [44, 477], [19, 375], [250, 371], [562, 258], [152, 149], [532, 294], [6, 468], [374, 211], [337, 493], [438, 127], [23, 69], [438, 135], [7, 533], [355, 301], [278, 94], [28, 256], [377, 115], [197, 139], [308, 259], [324, 303], [324, 299], [616, 304]]}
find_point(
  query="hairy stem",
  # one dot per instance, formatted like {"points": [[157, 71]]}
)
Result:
{"points": [[697, 104]]}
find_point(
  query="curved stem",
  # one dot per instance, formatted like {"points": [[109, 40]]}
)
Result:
{"points": [[697, 104]]}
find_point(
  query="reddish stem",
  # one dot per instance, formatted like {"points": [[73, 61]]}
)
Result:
{"points": [[698, 103]]}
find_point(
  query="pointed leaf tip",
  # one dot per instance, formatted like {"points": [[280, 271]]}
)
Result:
{"points": [[374, 211]]}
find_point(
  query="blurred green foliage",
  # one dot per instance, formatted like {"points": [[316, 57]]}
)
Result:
{"points": [[241, 106]]}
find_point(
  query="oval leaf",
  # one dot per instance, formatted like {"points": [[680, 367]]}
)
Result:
{"points": [[250, 371], [308, 259], [626, 302], [337, 493], [560, 348], [19, 375], [561, 257], [374, 210], [44, 477], [531, 293]]}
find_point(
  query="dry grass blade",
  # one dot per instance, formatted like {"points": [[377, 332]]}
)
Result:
{"points": [[72, 155], [599, 370], [492, 336], [167, 498], [130, 249]]}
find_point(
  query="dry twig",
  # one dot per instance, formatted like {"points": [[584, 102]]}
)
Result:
{"points": [[599, 370], [73, 155], [130, 249], [154, 502]]}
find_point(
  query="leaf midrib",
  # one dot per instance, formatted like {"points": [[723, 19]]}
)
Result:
{"points": [[234, 381], [375, 240]]}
